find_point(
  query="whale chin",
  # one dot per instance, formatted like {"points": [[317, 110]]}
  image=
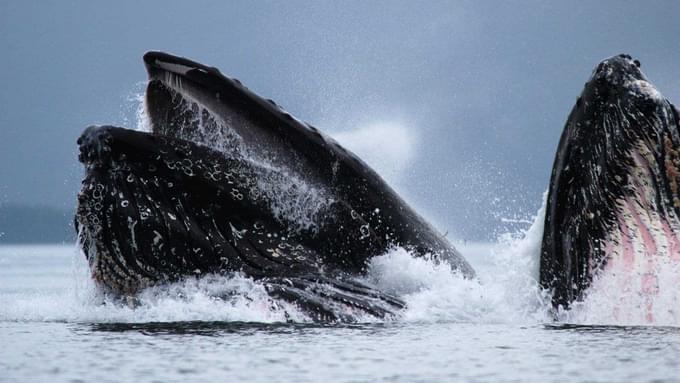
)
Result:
{"points": [[613, 200]]}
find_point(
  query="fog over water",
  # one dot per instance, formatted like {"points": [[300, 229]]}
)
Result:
{"points": [[467, 99]]}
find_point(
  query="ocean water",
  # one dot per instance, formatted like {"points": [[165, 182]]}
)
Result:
{"points": [[55, 327]]}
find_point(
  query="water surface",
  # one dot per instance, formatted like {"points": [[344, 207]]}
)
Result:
{"points": [[51, 329]]}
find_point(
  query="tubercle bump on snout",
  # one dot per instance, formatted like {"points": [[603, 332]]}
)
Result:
{"points": [[95, 145], [617, 81], [617, 70]]}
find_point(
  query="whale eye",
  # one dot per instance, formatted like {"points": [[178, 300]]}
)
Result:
{"points": [[637, 63]]}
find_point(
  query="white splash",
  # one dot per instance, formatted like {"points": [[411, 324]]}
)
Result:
{"points": [[212, 298], [389, 147], [620, 297], [505, 291]]}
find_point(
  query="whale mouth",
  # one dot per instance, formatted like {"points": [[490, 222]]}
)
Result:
{"points": [[228, 182], [613, 200]]}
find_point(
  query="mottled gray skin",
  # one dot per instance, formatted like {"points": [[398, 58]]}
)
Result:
{"points": [[620, 143], [202, 194]]}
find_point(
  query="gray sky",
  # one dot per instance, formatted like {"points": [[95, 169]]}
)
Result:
{"points": [[469, 97]]}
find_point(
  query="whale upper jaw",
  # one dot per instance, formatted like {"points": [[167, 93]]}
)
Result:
{"points": [[192, 101], [612, 185]]}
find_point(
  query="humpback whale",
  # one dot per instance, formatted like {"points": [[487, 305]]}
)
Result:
{"points": [[228, 182], [613, 204]]}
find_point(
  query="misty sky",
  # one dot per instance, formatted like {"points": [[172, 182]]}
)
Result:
{"points": [[459, 104]]}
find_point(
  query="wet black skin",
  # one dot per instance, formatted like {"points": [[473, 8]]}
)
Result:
{"points": [[591, 172]]}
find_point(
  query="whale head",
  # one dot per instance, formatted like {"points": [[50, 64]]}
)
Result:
{"points": [[613, 199]]}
